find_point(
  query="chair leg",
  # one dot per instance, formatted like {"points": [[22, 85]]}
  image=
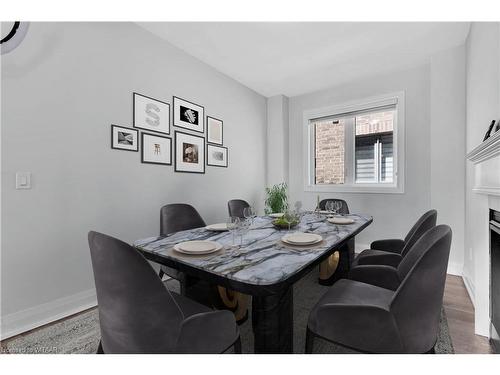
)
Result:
{"points": [[99, 348], [237, 346], [309, 341]]}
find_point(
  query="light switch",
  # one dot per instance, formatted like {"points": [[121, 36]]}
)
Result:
{"points": [[23, 180]]}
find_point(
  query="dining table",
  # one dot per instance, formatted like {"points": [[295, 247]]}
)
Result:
{"points": [[263, 266]]}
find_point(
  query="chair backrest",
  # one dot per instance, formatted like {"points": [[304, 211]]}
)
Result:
{"points": [[177, 217], [136, 312], [343, 210], [236, 206], [423, 224], [418, 301]]}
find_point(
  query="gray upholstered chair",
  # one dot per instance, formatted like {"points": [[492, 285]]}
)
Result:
{"points": [[138, 314], [372, 319], [177, 217], [236, 206], [344, 209], [391, 252]]}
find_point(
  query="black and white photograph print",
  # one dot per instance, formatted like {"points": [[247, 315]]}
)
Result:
{"points": [[189, 115], [214, 130], [124, 138], [151, 114], [217, 156], [189, 153], [156, 149]]}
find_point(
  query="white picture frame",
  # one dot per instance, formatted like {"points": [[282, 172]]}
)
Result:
{"points": [[189, 115]]}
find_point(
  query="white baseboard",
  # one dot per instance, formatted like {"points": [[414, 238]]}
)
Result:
{"points": [[33, 317], [455, 269], [469, 285]]}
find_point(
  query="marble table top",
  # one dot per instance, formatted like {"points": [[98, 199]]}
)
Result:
{"points": [[263, 259]]}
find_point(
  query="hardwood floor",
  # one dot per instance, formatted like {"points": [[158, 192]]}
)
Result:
{"points": [[460, 313]]}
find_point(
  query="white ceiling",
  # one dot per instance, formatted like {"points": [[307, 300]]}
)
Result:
{"points": [[294, 58]]}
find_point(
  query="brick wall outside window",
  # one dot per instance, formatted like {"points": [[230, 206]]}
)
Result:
{"points": [[330, 152]]}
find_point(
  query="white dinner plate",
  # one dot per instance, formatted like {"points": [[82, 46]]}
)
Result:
{"points": [[219, 227], [277, 215], [198, 247], [340, 220], [300, 238]]}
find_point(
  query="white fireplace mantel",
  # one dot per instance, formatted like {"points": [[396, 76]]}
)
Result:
{"points": [[486, 158]]}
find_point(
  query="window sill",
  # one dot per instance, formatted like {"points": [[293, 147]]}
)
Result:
{"points": [[364, 189]]}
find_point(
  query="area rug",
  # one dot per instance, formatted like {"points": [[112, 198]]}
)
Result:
{"points": [[80, 333]]}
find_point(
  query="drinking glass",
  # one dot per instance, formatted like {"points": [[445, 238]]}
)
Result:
{"points": [[233, 224], [337, 206], [243, 229], [330, 206], [249, 213], [289, 218]]}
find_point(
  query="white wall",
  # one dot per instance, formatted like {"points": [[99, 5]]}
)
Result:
{"points": [[393, 214], [277, 140], [483, 81], [447, 98], [61, 90], [435, 148]]}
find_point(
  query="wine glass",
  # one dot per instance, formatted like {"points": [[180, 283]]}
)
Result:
{"points": [[233, 224], [330, 206], [337, 206], [243, 229], [288, 218], [249, 213]]}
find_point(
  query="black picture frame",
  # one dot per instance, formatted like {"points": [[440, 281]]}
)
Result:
{"points": [[221, 131], [217, 165], [134, 94], [182, 124], [176, 169], [143, 148], [113, 145]]}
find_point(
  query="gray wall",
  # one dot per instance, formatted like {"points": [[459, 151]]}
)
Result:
{"points": [[277, 140], [393, 214], [448, 147], [61, 90]]}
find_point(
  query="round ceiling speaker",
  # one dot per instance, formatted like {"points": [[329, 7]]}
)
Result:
{"points": [[13, 37]]}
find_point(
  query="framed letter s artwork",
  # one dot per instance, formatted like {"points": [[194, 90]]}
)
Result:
{"points": [[151, 114]]}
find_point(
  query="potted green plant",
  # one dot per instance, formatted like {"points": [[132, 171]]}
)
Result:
{"points": [[277, 199]]}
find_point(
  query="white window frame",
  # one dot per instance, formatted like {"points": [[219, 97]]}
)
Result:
{"points": [[397, 186]]}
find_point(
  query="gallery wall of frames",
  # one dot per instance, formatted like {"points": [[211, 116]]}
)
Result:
{"points": [[191, 150]]}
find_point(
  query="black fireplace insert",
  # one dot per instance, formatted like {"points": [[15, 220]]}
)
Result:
{"points": [[495, 279]]}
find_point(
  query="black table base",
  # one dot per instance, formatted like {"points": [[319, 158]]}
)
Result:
{"points": [[272, 322]]}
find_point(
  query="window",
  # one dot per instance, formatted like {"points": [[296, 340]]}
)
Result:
{"points": [[357, 147], [373, 148]]}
